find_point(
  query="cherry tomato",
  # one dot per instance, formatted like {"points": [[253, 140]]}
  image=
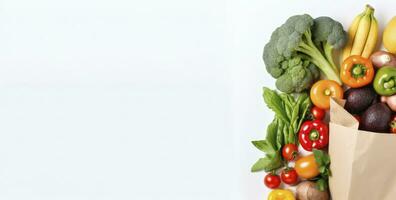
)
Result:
{"points": [[392, 124], [289, 152], [289, 176], [306, 167], [318, 113], [358, 118], [321, 92], [272, 181]]}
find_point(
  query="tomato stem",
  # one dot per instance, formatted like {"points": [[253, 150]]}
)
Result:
{"points": [[314, 135]]}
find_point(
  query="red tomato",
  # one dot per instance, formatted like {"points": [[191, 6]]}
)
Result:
{"points": [[358, 118], [289, 176], [289, 152], [392, 124], [318, 113], [272, 181]]}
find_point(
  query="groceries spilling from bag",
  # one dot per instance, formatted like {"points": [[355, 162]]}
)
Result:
{"points": [[315, 60]]}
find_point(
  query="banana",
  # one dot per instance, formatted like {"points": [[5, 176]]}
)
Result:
{"points": [[351, 36], [362, 32], [371, 38]]}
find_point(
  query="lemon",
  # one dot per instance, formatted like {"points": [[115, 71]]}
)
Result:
{"points": [[389, 37]]}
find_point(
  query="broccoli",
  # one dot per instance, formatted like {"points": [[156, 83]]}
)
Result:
{"points": [[298, 76], [295, 39], [328, 34]]}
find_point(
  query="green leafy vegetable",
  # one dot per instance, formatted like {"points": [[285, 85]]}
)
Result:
{"points": [[289, 114], [323, 161], [268, 163], [272, 133], [274, 102], [299, 47]]}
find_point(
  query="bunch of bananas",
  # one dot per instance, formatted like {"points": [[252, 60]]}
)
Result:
{"points": [[362, 35]]}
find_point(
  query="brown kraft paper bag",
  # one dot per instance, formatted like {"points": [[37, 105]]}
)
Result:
{"points": [[362, 163]]}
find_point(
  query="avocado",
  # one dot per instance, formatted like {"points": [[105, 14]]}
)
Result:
{"points": [[359, 99], [376, 118]]}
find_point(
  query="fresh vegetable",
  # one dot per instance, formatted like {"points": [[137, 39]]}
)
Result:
{"points": [[359, 99], [358, 118], [306, 167], [314, 135], [289, 176], [318, 113], [294, 42], [385, 81], [322, 90], [279, 194], [392, 124], [363, 35], [307, 190], [290, 112], [357, 71], [383, 58], [323, 161], [389, 37], [390, 101], [313, 165], [289, 152], [298, 76], [328, 35], [376, 118], [272, 181]]}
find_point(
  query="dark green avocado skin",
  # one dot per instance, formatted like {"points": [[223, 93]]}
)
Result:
{"points": [[359, 99], [376, 118]]}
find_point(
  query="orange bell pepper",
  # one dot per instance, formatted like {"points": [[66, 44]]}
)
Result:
{"points": [[357, 71]]}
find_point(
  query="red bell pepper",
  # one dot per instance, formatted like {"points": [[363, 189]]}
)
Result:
{"points": [[314, 135]]}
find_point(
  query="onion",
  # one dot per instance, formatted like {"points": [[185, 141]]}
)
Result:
{"points": [[307, 191], [383, 58], [390, 100]]}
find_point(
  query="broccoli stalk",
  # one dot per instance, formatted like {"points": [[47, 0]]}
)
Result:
{"points": [[307, 47], [328, 35], [328, 52]]}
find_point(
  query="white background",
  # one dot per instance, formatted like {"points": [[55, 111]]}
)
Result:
{"points": [[138, 100]]}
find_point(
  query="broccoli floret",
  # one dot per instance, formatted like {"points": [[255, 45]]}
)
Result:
{"points": [[299, 76], [294, 39], [328, 35]]}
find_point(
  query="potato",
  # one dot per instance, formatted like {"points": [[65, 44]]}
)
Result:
{"points": [[307, 191]]}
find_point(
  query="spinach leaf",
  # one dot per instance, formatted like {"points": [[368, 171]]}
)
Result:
{"points": [[323, 161], [274, 102], [264, 146], [268, 163], [272, 132]]}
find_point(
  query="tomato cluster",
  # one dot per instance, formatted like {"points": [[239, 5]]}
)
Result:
{"points": [[305, 167]]}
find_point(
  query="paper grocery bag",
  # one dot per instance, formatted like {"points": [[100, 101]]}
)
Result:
{"points": [[363, 163]]}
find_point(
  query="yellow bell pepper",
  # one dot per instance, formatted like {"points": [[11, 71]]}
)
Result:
{"points": [[281, 195]]}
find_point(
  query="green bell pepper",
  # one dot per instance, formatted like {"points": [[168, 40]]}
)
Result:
{"points": [[385, 81]]}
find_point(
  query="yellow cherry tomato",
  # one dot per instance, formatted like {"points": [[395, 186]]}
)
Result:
{"points": [[322, 90], [307, 167], [281, 195]]}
